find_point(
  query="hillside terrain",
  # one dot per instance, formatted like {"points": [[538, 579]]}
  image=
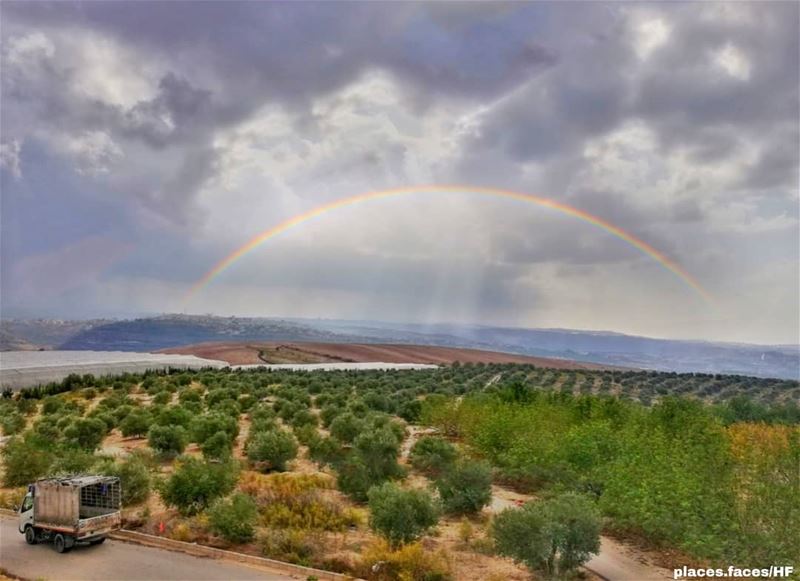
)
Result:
{"points": [[325, 468], [243, 353], [614, 349]]}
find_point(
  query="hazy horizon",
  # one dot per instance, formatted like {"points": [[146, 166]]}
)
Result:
{"points": [[143, 143]]}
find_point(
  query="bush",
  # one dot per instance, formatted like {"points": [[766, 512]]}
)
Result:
{"points": [[432, 455], [12, 423], [217, 447], [205, 426], [346, 427], [167, 440], [291, 545], [175, 415], [195, 484], [24, 461], [466, 487], [325, 451], [135, 424], [162, 397], [71, 461], [412, 562], [355, 479], [553, 537], [400, 515], [275, 448], [86, 433], [378, 449], [234, 519], [134, 478]]}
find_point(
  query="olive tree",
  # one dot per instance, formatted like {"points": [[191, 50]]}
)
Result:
{"points": [[401, 515], [551, 537]]}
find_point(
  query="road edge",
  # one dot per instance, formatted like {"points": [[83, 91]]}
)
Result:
{"points": [[221, 554]]}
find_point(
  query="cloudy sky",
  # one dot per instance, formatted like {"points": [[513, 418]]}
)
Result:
{"points": [[143, 142]]}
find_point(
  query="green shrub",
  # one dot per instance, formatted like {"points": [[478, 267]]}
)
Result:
{"points": [[134, 478], [195, 484], [275, 448], [205, 426], [175, 415], [217, 447], [51, 405], [69, 460], [167, 440], [400, 515], [346, 427], [24, 461], [135, 424], [12, 423], [324, 450], [378, 450], [234, 519], [432, 455], [551, 537], [162, 397], [303, 418], [465, 487], [86, 433]]}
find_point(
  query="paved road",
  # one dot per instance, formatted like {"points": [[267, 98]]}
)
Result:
{"points": [[115, 560]]}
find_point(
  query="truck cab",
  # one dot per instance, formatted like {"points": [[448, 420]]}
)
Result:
{"points": [[26, 513]]}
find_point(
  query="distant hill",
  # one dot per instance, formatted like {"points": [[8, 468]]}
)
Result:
{"points": [[615, 349], [9, 342], [152, 334]]}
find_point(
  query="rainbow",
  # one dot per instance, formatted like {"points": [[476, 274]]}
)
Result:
{"points": [[270, 233]]}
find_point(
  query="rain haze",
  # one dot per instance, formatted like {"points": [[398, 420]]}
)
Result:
{"points": [[143, 143]]}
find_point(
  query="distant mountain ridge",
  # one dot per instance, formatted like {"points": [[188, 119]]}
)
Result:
{"points": [[155, 333]]}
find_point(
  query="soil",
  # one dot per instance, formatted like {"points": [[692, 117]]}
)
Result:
{"points": [[246, 353]]}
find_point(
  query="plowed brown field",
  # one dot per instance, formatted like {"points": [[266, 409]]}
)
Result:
{"points": [[243, 353]]}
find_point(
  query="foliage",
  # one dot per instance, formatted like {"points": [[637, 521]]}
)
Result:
{"points": [[274, 448], [12, 423], [217, 447], [401, 515], [24, 460], [412, 562], [465, 487], [135, 424], [134, 478], [291, 545], [432, 455], [205, 426], [552, 537], [86, 433], [167, 440], [195, 484], [234, 519], [346, 427]]}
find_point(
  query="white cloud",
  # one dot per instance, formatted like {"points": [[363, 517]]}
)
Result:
{"points": [[9, 157], [733, 61], [649, 34], [94, 153]]}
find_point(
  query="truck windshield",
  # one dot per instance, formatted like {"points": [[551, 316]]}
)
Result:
{"points": [[27, 504]]}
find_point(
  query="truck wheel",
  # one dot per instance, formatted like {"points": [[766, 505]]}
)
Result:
{"points": [[31, 536], [60, 543]]}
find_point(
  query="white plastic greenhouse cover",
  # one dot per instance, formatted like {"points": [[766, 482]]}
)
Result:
{"points": [[19, 369]]}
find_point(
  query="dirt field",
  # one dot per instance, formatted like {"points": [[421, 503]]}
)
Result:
{"points": [[243, 353]]}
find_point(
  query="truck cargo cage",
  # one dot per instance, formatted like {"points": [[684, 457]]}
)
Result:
{"points": [[100, 498], [64, 500]]}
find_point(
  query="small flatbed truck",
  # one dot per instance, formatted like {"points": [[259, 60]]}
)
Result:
{"points": [[70, 510]]}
